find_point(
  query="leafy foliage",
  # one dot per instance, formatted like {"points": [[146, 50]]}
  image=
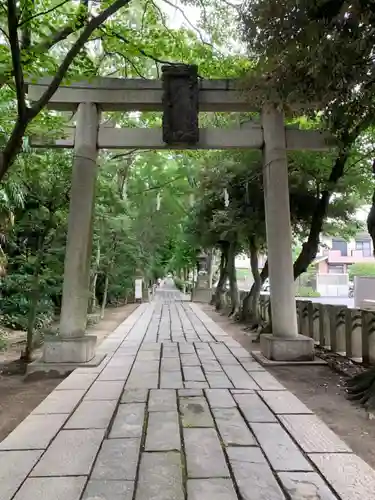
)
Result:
{"points": [[362, 269]]}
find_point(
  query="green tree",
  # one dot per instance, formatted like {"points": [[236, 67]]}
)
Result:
{"points": [[32, 35], [317, 67], [321, 53], [35, 245]]}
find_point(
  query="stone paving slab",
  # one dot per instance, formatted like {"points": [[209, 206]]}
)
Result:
{"points": [[283, 402], [34, 433], [204, 455], [177, 410], [253, 475], [92, 415], [196, 385], [279, 448], [117, 460], [267, 382], [160, 477], [349, 475], [15, 466], [113, 374], [220, 398], [305, 485], [134, 396], [162, 400], [171, 380], [189, 393], [60, 402], [72, 453], [163, 431], [77, 381], [218, 380], [46, 488], [232, 427], [108, 490], [195, 412], [129, 421], [215, 489], [240, 378], [253, 408], [312, 435], [105, 391]]}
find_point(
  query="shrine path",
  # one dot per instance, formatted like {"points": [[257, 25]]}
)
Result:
{"points": [[177, 410]]}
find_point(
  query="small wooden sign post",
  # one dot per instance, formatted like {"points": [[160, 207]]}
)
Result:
{"points": [[138, 293]]}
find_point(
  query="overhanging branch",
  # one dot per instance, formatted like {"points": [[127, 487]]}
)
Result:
{"points": [[74, 51], [55, 7], [141, 51]]}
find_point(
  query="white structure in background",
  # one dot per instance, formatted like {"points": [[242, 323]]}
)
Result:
{"points": [[333, 262], [336, 255], [243, 268], [138, 289], [332, 285]]}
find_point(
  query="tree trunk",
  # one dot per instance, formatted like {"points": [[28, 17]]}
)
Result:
{"points": [[210, 267], [35, 293], [34, 300], [251, 300], [311, 246], [233, 286], [12, 147], [254, 299], [222, 278], [93, 302], [105, 295], [371, 215]]}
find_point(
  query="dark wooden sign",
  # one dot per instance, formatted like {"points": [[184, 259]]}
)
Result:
{"points": [[180, 105]]}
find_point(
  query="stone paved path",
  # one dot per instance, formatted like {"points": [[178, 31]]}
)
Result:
{"points": [[177, 411]]}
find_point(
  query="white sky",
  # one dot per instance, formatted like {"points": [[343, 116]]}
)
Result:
{"points": [[363, 212], [176, 17]]}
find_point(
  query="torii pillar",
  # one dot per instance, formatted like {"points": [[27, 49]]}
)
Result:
{"points": [[72, 346], [285, 344]]}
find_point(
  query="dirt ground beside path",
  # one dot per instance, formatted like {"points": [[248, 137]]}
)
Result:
{"points": [[322, 390], [18, 397]]}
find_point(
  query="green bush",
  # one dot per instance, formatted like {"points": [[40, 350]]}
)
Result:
{"points": [[305, 291], [15, 304], [179, 283], [362, 269]]}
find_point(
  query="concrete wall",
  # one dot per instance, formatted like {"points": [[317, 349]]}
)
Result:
{"points": [[332, 285], [349, 332], [364, 289], [346, 331]]}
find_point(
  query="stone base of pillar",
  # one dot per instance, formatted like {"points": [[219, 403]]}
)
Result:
{"points": [[63, 355], [203, 295], [69, 350], [41, 369], [299, 348]]}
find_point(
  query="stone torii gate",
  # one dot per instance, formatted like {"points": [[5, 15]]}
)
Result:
{"points": [[181, 96]]}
